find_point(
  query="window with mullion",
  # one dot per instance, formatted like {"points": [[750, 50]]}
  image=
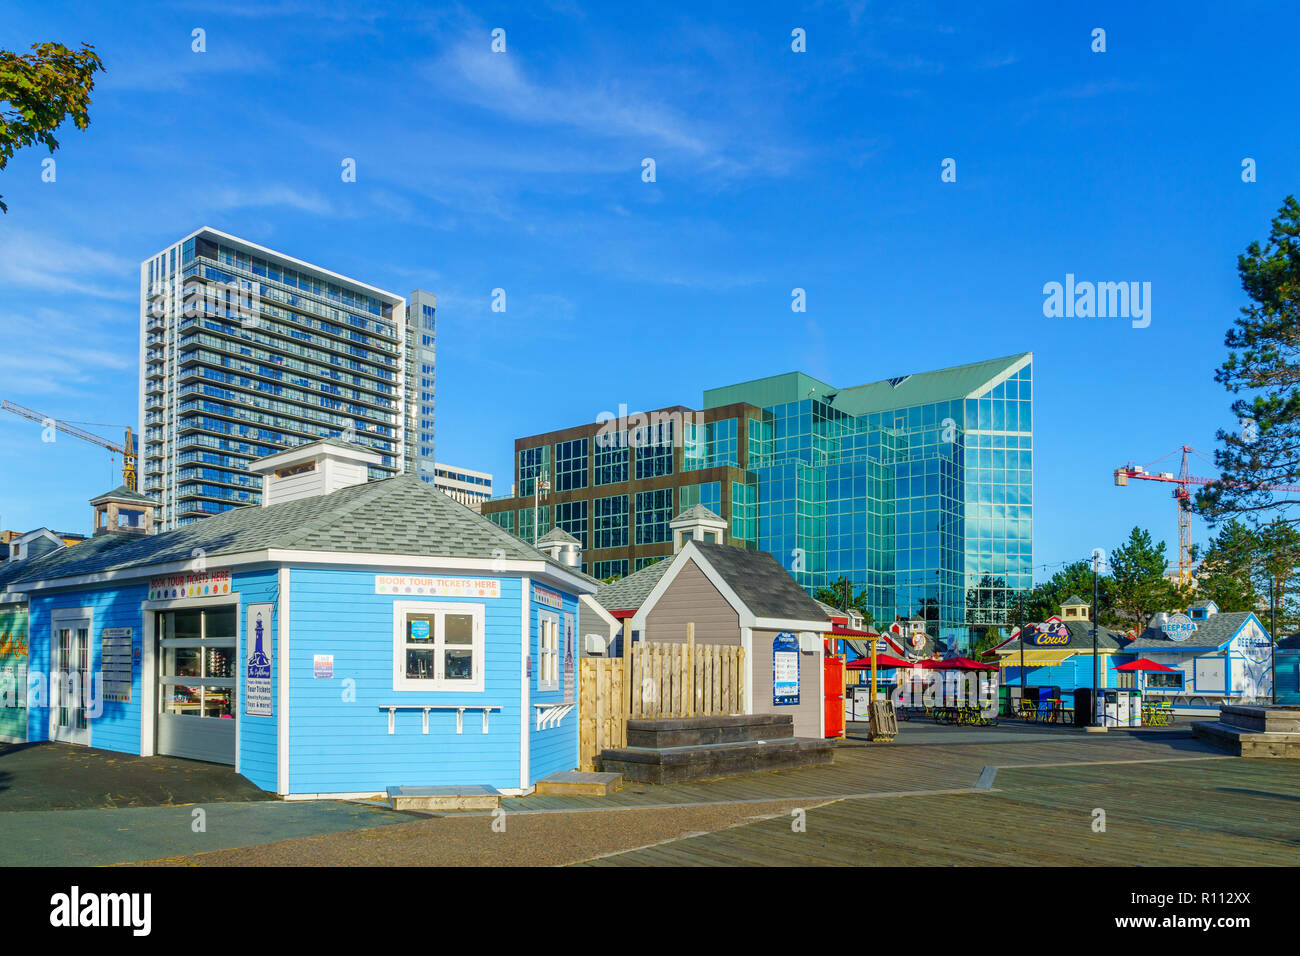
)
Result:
{"points": [[438, 647]]}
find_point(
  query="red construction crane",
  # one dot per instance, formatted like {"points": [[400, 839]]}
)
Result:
{"points": [[126, 450], [1182, 496]]}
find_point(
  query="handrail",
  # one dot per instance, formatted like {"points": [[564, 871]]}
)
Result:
{"points": [[458, 708], [550, 715]]}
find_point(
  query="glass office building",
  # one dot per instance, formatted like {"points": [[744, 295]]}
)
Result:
{"points": [[917, 488], [245, 351]]}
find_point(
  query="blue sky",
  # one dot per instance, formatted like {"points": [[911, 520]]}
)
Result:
{"points": [[775, 170]]}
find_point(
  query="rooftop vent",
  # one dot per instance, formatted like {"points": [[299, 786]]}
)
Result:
{"points": [[317, 468]]}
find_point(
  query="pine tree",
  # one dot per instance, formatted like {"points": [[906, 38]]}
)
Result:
{"points": [[1137, 587], [1261, 372]]}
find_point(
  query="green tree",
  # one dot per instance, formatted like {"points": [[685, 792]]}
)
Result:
{"points": [[1228, 573], [1277, 578], [990, 638], [1261, 373], [1073, 579], [834, 596], [39, 90], [1137, 588]]}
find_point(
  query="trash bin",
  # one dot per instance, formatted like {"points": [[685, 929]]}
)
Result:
{"points": [[1082, 706]]}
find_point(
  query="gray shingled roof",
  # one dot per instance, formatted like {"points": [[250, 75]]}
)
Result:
{"points": [[1080, 638], [558, 535], [33, 568], [123, 493], [1075, 599], [629, 593], [695, 512], [758, 579], [1213, 632], [402, 515]]}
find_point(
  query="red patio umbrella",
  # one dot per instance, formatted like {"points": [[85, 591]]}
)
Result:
{"points": [[882, 660], [961, 664], [1143, 664]]}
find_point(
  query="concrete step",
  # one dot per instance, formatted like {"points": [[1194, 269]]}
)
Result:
{"points": [[578, 783], [699, 731], [1245, 743], [469, 797], [678, 764]]}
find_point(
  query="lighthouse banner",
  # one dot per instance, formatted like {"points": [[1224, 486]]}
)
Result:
{"points": [[258, 654]]}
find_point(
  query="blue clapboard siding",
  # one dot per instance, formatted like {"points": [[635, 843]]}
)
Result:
{"points": [[257, 735], [553, 748], [118, 725], [340, 745]]}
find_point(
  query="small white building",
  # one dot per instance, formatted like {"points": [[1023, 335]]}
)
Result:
{"points": [[1217, 656]]}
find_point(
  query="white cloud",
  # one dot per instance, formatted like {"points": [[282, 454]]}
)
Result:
{"points": [[230, 197], [58, 267], [493, 81]]}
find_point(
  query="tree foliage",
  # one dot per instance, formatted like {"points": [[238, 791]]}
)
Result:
{"points": [[1228, 572], [1261, 373], [39, 90], [1073, 579], [1137, 589], [835, 594]]}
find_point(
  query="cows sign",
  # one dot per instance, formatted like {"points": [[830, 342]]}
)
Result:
{"points": [[1052, 637]]}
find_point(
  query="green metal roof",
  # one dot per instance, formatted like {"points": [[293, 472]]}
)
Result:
{"points": [[764, 392], [961, 381], [902, 391]]}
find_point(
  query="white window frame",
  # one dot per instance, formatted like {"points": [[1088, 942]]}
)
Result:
{"points": [[548, 657], [438, 610]]}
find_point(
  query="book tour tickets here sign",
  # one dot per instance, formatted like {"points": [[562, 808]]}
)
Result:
{"points": [[547, 597], [437, 587], [191, 584]]}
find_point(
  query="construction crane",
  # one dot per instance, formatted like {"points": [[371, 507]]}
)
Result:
{"points": [[1182, 497], [126, 450]]}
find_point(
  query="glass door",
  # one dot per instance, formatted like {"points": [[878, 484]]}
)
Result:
{"points": [[70, 682], [196, 683]]}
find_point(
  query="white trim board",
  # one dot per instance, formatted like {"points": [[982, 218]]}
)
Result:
{"points": [[525, 688], [249, 560], [282, 689]]}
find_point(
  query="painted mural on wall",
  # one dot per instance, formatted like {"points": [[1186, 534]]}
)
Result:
{"points": [[13, 674], [1254, 676]]}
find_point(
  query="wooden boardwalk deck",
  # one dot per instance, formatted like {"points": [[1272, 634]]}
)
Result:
{"points": [[1168, 801], [922, 759]]}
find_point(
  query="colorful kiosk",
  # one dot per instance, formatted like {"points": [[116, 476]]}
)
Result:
{"points": [[345, 638]]}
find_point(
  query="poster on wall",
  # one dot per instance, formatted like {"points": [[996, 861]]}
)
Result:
{"points": [[13, 675], [259, 649], [568, 652], [117, 662], [785, 669]]}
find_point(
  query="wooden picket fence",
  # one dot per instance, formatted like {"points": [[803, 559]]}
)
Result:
{"points": [[602, 708], [686, 680], [658, 680]]}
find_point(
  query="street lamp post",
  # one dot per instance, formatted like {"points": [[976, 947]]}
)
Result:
{"points": [[1020, 626]]}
